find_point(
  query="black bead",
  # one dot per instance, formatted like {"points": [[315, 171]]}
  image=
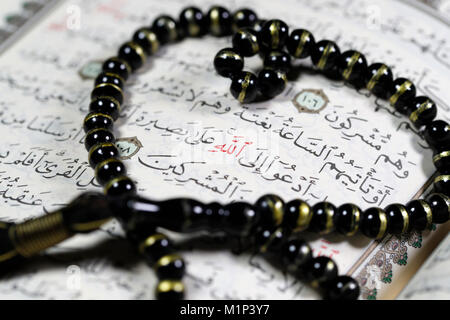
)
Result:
{"points": [[244, 87], [245, 42], [270, 208], [96, 120], [99, 135], [420, 214], [403, 91], [397, 218], [295, 255], [421, 110], [106, 77], [437, 134], [441, 160], [244, 18], [166, 29], [442, 184], [271, 82], [193, 22], [342, 288], [322, 219], [346, 219], [228, 62], [300, 43], [297, 215], [274, 34], [270, 241], [278, 60], [108, 170], [220, 21], [373, 223], [170, 266], [320, 270], [259, 25], [147, 39], [440, 207], [352, 65], [242, 219], [169, 289], [107, 90], [379, 79], [106, 105], [325, 55], [120, 186], [117, 66], [155, 246], [101, 152], [132, 53]]}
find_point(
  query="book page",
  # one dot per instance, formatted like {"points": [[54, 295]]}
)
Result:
{"points": [[183, 135]]}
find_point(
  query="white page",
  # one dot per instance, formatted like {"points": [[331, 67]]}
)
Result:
{"points": [[44, 101]]}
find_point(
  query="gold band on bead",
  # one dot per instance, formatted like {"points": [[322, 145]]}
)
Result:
{"points": [[429, 213], [304, 216], [383, 223], [405, 86], [114, 100], [166, 260], [441, 155], [329, 223], [373, 81], [301, 44], [405, 218], [101, 85], [348, 71], [170, 285], [101, 164], [324, 57], [444, 177], [151, 37], [275, 35], [112, 182], [111, 74], [139, 50], [356, 216], [245, 84], [424, 106], [99, 145], [214, 26], [276, 207], [98, 114]]}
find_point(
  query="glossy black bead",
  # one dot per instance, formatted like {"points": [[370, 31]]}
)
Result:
{"points": [[274, 34], [373, 223], [420, 214], [98, 135], [442, 184], [107, 90], [109, 169], [342, 288], [278, 60], [245, 42], [397, 218], [297, 215], [320, 270], [94, 120], [270, 241], [228, 62], [440, 207], [244, 18], [112, 78], [101, 152], [259, 25], [132, 53], [322, 219], [170, 266], [421, 111], [105, 105], [242, 219], [169, 289], [117, 66], [220, 21], [352, 65], [166, 29], [193, 22], [441, 160], [271, 82], [379, 79], [346, 219], [120, 186], [295, 255], [271, 210], [300, 43], [325, 55], [402, 94], [147, 39], [437, 134], [244, 86], [155, 246]]}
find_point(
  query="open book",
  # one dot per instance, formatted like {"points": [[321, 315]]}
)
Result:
{"points": [[182, 135]]}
